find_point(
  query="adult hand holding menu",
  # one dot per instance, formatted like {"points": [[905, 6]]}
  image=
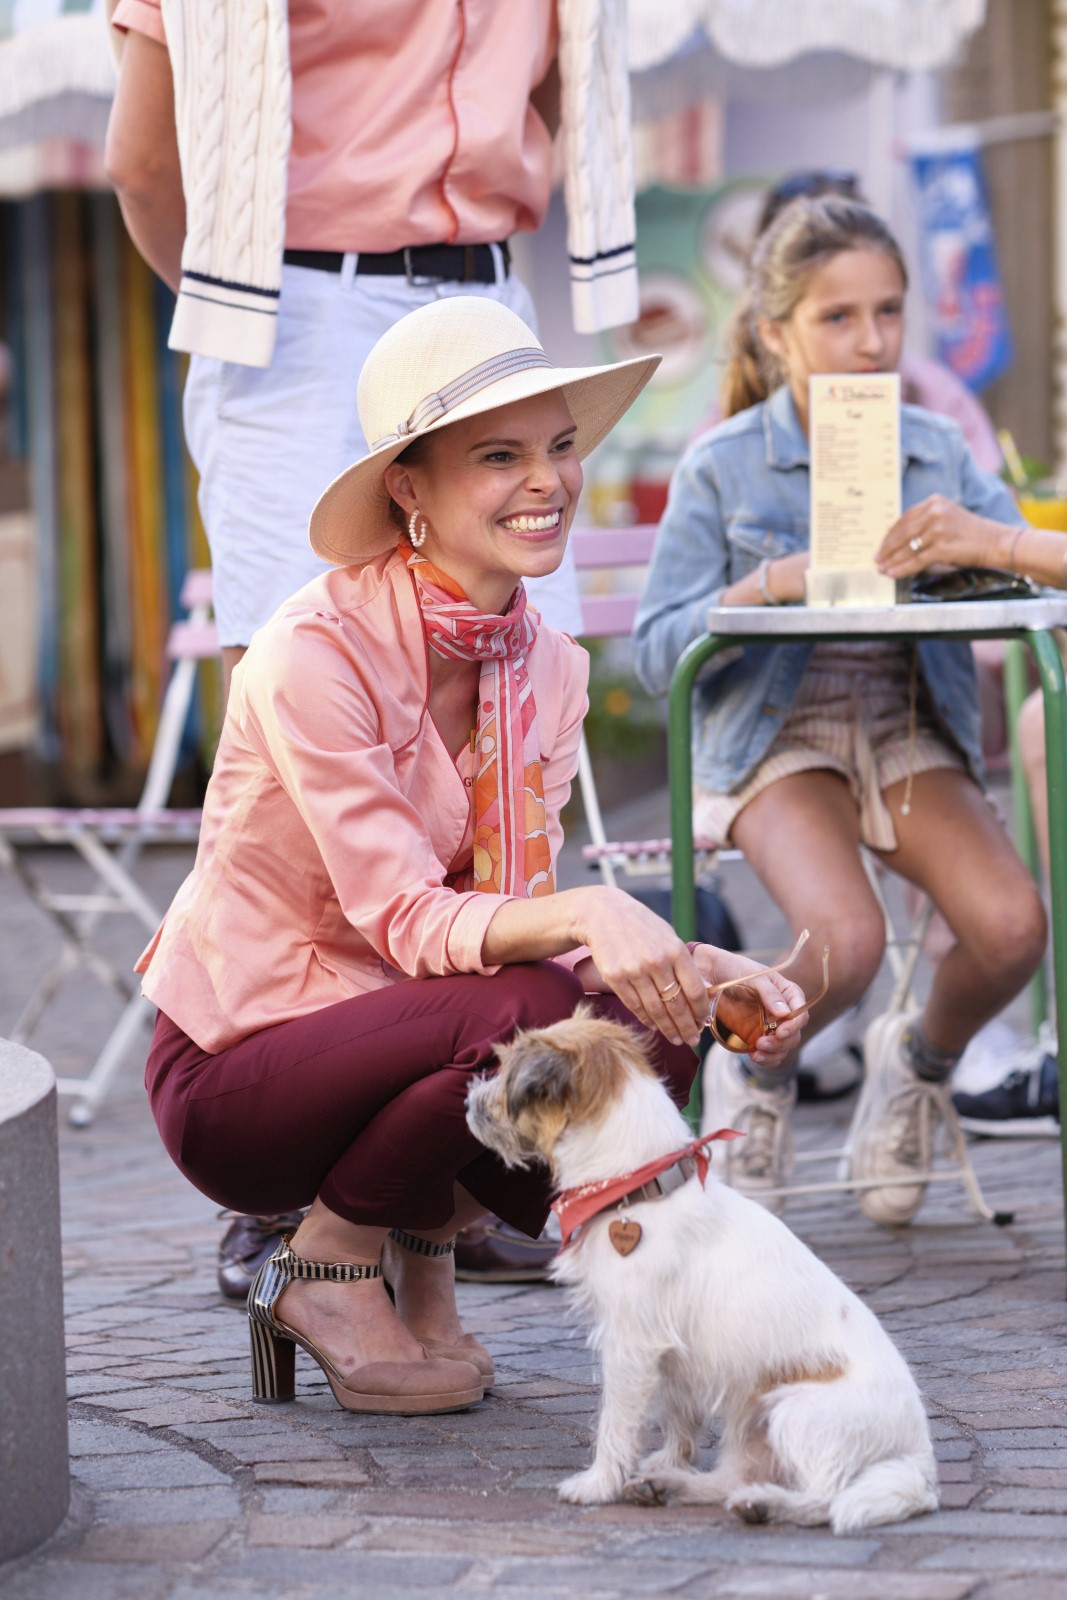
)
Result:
{"points": [[854, 427]]}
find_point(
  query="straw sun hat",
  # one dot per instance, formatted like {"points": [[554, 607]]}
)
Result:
{"points": [[452, 359]]}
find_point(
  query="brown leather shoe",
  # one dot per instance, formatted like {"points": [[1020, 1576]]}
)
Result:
{"points": [[246, 1244], [492, 1251]]}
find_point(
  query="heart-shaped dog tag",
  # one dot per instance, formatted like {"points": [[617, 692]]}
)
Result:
{"points": [[625, 1236]]}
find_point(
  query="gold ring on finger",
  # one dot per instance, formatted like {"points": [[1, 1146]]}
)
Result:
{"points": [[915, 544], [670, 992]]}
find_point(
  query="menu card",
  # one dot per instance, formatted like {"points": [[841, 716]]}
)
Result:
{"points": [[854, 429]]}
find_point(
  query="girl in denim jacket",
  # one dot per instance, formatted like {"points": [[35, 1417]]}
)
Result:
{"points": [[803, 752]]}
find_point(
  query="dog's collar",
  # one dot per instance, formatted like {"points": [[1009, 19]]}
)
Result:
{"points": [[574, 1207]]}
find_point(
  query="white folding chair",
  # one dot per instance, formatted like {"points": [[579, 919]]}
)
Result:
{"points": [[109, 841], [611, 615]]}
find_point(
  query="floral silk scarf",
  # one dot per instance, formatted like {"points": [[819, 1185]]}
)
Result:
{"points": [[511, 847]]}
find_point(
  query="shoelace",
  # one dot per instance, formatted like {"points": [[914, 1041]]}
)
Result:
{"points": [[756, 1155], [912, 1114]]}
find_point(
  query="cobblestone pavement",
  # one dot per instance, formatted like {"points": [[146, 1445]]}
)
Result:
{"points": [[183, 1488]]}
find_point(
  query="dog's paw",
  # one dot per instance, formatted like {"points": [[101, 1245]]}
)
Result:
{"points": [[590, 1488], [645, 1492], [748, 1508]]}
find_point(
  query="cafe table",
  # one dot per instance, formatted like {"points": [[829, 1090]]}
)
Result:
{"points": [[1027, 620]]}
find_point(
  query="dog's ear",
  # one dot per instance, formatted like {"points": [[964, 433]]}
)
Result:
{"points": [[541, 1077]]}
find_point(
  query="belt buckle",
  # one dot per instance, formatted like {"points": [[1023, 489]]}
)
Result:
{"points": [[414, 279]]}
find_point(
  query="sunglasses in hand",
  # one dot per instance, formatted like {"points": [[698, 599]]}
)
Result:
{"points": [[736, 1014]]}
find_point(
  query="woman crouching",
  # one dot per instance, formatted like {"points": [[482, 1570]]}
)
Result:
{"points": [[372, 909]]}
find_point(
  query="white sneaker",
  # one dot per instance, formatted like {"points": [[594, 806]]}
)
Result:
{"points": [[763, 1159], [895, 1123]]}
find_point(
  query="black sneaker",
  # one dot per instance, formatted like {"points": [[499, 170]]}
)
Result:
{"points": [[1024, 1105]]}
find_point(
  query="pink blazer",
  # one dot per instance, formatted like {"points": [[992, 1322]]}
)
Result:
{"points": [[334, 814]]}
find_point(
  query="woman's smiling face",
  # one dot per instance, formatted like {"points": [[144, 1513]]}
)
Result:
{"points": [[498, 494], [850, 318]]}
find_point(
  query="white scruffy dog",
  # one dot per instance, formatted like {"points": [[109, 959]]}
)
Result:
{"points": [[717, 1310]]}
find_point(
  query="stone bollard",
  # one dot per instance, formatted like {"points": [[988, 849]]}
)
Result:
{"points": [[34, 1463]]}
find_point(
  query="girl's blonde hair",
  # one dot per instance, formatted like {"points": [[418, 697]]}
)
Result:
{"points": [[802, 238]]}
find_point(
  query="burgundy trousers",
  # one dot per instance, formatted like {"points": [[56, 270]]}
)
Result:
{"points": [[362, 1103]]}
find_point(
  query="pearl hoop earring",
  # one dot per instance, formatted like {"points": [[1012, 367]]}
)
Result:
{"points": [[416, 542]]}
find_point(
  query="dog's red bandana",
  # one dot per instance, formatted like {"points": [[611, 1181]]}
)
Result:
{"points": [[574, 1207]]}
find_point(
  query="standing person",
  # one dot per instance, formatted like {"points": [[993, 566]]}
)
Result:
{"points": [[802, 752], [372, 908], [304, 175], [303, 183]]}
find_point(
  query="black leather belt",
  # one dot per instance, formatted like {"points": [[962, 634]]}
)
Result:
{"points": [[419, 263]]}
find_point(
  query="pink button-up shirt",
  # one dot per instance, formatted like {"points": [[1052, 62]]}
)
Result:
{"points": [[412, 121], [334, 815]]}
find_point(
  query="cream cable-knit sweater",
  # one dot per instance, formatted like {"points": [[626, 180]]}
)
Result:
{"points": [[230, 60]]}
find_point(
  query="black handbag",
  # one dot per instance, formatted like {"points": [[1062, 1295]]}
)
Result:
{"points": [[972, 583]]}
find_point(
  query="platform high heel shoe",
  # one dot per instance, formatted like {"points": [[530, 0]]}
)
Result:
{"points": [[466, 1347], [402, 1388]]}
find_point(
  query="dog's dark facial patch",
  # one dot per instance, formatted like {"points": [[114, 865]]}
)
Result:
{"points": [[540, 1076]]}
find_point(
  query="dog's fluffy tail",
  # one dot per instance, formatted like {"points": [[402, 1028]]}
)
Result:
{"points": [[887, 1491]]}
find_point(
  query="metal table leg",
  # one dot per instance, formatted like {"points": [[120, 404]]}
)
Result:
{"points": [[1016, 688], [680, 777], [1050, 668]]}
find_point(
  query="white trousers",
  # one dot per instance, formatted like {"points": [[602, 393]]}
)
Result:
{"points": [[267, 440]]}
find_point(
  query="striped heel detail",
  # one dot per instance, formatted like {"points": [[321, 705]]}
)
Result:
{"points": [[273, 1349], [422, 1247], [273, 1364]]}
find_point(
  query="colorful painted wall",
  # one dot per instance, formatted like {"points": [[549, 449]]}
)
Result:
{"points": [[94, 412]]}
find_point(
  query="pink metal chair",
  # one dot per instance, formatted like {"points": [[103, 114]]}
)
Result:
{"points": [[109, 842]]}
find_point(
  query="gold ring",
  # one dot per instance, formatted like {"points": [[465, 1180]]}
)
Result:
{"points": [[771, 1025], [670, 991]]}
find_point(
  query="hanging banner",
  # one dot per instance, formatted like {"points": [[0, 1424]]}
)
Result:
{"points": [[959, 264]]}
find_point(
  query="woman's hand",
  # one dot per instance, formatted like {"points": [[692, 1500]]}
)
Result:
{"points": [[640, 958], [739, 1009], [938, 532]]}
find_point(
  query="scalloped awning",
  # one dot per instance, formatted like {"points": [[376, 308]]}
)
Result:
{"points": [[908, 35], [57, 75]]}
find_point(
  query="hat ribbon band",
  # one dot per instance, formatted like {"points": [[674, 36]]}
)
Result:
{"points": [[439, 404]]}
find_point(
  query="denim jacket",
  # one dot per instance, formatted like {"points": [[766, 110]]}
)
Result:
{"points": [[740, 495]]}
